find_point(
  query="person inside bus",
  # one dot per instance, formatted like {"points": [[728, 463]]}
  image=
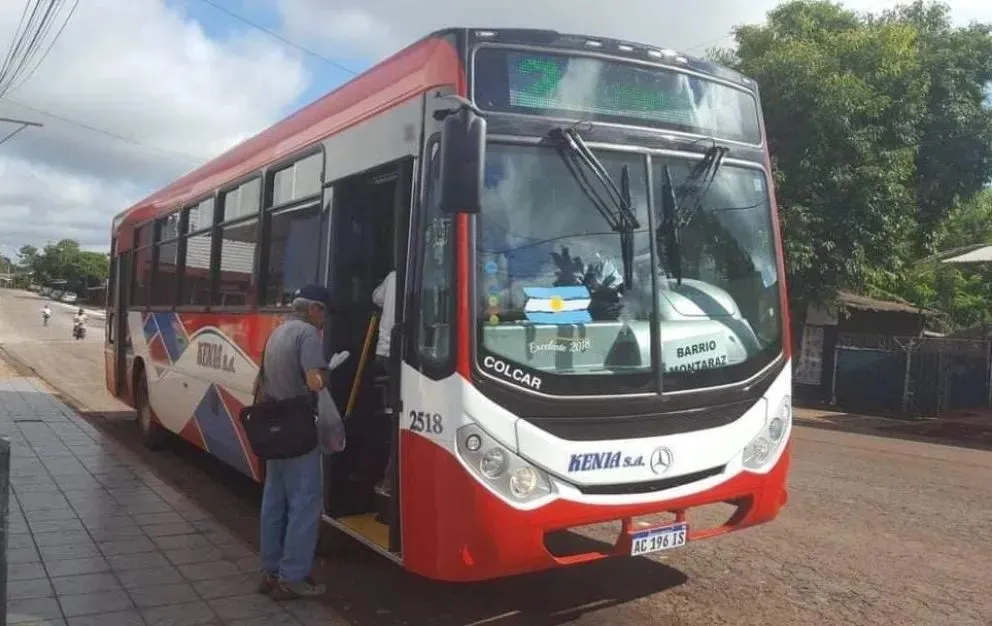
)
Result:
{"points": [[292, 495], [384, 296]]}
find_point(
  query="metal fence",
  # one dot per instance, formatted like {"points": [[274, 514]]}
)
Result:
{"points": [[911, 375]]}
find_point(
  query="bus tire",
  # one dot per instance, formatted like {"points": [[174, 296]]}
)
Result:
{"points": [[153, 435]]}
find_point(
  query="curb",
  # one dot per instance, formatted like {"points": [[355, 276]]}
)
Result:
{"points": [[874, 430]]}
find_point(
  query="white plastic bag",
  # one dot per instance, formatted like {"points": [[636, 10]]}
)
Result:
{"points": [[330, 427], [337, 359]]}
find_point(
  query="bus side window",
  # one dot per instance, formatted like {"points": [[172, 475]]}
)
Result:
{"points": [[437, 271]]}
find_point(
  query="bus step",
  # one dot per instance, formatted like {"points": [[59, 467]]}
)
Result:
{"points": [[366, 526]]}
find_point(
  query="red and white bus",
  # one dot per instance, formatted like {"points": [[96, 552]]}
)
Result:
{"points": [[592, 321]]}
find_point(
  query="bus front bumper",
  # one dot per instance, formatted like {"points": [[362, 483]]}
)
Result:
{"points": [[463, 532]]}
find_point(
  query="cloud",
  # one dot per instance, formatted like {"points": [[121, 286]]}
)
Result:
{"points": [[149, 74], [381, 27], [174, 95]]}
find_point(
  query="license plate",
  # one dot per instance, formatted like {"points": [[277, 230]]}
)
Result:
{"points": [[658, 539]]}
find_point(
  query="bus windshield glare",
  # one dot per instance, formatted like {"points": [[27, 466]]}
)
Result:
{"points": [[568, 86], [550, 280]]}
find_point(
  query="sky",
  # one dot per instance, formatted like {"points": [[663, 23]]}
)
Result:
{"points": [[134, 93]]}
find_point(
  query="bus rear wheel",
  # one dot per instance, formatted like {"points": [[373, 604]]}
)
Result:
{"points": [[153, 435]]}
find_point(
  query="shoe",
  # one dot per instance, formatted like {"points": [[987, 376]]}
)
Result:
{"points": [[267, 583], [306, 588]]}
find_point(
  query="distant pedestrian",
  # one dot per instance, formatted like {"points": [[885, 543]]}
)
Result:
{"points": [[294, 366]]}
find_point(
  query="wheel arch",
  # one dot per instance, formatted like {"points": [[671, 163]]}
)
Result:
{"points": [[137, 370]]}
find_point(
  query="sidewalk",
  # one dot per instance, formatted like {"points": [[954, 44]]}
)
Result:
{"points": [[96, 538], [963, 427]]}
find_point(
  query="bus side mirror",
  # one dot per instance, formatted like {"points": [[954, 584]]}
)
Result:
{"points": [[463, 160]]}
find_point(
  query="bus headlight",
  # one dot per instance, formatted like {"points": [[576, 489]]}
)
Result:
{"points": [[523, 482], [499, 467], [493, 463], [766, 444]]}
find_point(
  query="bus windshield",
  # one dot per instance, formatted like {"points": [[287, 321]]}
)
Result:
{"points": [[551, 291]]}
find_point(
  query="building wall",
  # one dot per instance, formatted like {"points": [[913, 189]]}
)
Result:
{"points": [[882, 323], [822, 332]]}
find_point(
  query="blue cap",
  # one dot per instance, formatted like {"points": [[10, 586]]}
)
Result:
{"points": [[315, 293]]}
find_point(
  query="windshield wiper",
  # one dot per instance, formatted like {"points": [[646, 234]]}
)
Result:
{"points": [[617, 210], [670, 227], [704, 173], [674, 219]]}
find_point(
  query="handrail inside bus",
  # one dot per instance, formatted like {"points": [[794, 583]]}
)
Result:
{"points": [[362, 362]]}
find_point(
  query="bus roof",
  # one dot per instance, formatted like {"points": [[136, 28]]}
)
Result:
{"points": [[430, 62], [427, 63]]}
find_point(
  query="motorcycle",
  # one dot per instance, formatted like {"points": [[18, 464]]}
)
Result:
{"points": [[78, 331]]}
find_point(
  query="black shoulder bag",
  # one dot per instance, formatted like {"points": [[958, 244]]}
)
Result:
{"points": [[280, 429]]}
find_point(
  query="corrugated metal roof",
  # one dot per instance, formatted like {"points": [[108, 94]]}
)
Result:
{"points": [[865, 303], [978, 255]]}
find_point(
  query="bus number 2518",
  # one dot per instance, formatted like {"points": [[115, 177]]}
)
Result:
{"points": [[426, 422]]}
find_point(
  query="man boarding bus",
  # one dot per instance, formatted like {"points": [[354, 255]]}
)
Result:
{"points": [[590, 308]]}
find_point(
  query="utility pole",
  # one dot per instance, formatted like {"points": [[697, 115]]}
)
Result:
{"points": [[5, 443], [21, 125]]}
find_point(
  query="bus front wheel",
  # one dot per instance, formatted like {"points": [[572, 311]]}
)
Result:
{"points": [[153, 435]]}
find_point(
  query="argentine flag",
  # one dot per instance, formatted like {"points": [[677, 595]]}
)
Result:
{"points": [[557, 305]]}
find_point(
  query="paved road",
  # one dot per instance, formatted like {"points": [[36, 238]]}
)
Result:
{"points": [[878, 531], [74, 366]]}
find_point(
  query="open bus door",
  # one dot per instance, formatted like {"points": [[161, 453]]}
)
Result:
{"points": [[368, 238], [374, 228]]}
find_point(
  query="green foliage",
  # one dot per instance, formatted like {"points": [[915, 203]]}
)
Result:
{"points": [[65, 260], [27, 255], [878, 129], [953, 161], [962, 292]]}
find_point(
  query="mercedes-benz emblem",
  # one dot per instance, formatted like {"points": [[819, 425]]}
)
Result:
{"points": [[661, 460]]}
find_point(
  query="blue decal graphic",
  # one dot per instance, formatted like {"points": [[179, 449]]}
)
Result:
{"points": [[150, 327], [219, 431], [172, 333], [593, 461], [557, 305], [491, 267], [494, 290]]}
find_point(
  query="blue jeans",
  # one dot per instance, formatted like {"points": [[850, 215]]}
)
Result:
{"points": [[290, 518]]}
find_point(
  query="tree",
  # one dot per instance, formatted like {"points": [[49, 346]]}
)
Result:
{"points": [[27, 256], [65, 260], [842, 101], [954, 161], [877, 129], [963, 292]]}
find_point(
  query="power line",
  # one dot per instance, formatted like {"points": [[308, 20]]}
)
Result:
{"points": [[51, 44], [710, 42], [16, 41], [276, 35], [131, 140], [31, 31]]}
